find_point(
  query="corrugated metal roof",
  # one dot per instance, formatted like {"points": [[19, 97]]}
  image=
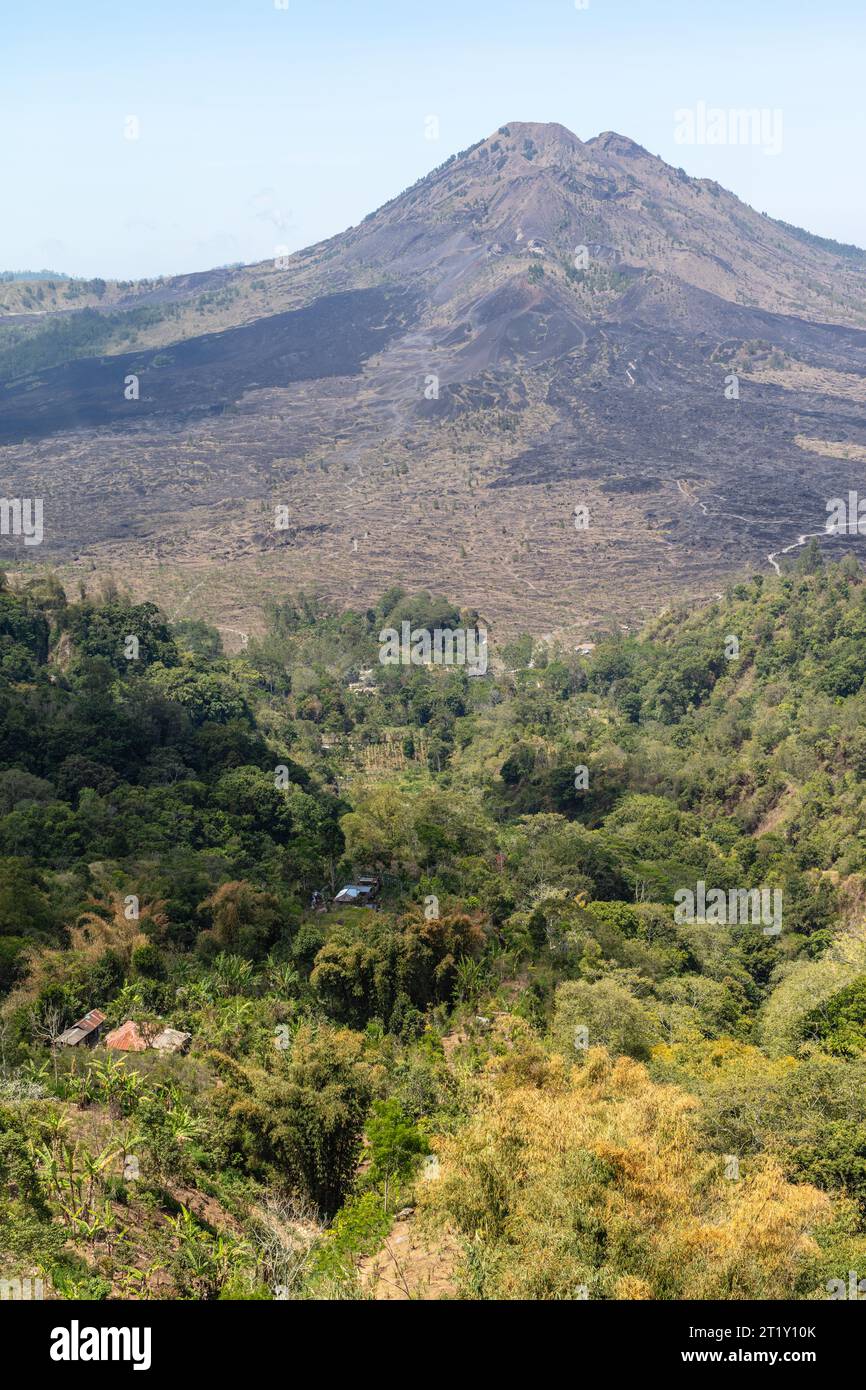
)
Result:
{"points": [[72, 1036], [82, 1029], [171, 1040], [91, 1020]]}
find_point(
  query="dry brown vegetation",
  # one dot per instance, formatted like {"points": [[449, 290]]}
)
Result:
{"points": [[592, 1178]]}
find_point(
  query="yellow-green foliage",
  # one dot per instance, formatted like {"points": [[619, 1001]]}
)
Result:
{"points": [[803, 984], [610, 1013], [593, 1178]]}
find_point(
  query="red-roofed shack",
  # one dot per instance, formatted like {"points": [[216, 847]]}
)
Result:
{"points": [[126, 1038]]}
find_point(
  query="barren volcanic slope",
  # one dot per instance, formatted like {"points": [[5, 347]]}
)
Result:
{"points": [[431, 394]]}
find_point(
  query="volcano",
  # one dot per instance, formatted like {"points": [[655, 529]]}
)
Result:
{"points": [[540, 327]]}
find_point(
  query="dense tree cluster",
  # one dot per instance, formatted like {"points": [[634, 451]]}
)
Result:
{"points": [[521, 998]]}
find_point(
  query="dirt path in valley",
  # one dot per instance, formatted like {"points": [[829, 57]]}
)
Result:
{"points": [[410, 1267]]}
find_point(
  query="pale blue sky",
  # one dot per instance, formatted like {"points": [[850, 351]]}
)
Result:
{"points": [[262, 126]]}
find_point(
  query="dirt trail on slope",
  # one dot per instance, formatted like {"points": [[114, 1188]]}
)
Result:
{"points": [[411, 1267]]}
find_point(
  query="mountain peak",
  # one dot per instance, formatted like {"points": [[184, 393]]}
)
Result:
{"points": [[612, 143], [549, 136], [580, 309], [542, 133]]}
